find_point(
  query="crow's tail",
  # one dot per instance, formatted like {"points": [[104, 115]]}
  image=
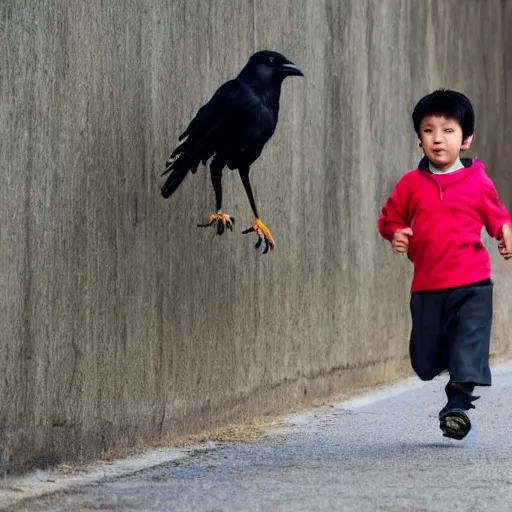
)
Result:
{"points": [[187, 157], [173, 181]]}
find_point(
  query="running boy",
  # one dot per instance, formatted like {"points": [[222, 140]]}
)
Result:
{"points": [[436, 214]]}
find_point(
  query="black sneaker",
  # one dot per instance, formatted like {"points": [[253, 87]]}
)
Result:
{"points": [[453, 419], [454, 423]]}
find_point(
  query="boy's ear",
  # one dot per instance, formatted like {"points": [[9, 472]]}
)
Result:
{"points": [[419, 143], [466, 143]]}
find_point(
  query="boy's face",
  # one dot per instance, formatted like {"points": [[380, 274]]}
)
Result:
{"points": [[441, 140]]}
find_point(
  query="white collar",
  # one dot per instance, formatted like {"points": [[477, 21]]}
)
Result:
{"points": [[457, 165]]}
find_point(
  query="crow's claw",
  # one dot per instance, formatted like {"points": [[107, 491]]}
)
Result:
{"points": [[222, 221], [265, 239]]}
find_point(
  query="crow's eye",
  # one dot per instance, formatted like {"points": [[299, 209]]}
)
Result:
{"points": [[271, 60]]}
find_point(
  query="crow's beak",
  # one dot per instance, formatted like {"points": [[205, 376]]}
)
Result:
{"points": [[291, 69]]}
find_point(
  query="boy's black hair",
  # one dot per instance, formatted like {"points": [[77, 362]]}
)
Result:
{"points": [[451, 104]]}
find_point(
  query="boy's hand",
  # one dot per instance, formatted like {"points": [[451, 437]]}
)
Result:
{"points": [[505, 243], [400, 242]]}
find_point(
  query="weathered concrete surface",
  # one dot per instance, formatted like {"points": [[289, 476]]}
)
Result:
{"points": [[380, 452], [122, 322]]}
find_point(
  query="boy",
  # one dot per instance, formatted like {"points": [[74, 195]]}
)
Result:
{"points": [[436, 214]]}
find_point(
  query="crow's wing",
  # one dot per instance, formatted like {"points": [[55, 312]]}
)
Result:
{"points": [[212, 119]]}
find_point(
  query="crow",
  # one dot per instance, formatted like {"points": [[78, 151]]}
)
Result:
{"points": [[231, 130]]}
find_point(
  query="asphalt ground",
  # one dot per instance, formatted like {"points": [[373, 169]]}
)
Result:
{"points": [[380, 452]]}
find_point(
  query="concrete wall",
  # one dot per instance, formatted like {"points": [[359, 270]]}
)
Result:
{"points": [[120, 321]]}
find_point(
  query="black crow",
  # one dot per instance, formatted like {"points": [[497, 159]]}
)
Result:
{"points": [[231, 130]]}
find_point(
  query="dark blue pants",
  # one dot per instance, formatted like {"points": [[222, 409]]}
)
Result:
{"points": [[451, 330]]}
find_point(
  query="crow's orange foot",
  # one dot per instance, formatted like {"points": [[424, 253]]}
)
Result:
{"points": [[264, 237], [222, 220]]}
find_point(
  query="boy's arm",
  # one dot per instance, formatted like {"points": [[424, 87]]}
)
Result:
{"points": [[505, 245], [494, 213], [394, 213]]}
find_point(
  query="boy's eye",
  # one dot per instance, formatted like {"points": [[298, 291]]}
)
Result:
{"points": [[427, 130], [449, 130]]}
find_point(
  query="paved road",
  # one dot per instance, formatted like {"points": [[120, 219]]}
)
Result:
{"points": [[381, 453]]}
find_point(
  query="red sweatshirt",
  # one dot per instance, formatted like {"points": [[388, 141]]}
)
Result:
{"points": [[446, 213]]}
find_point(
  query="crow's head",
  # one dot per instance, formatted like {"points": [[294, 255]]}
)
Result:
{"points": [[270, 67]]}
